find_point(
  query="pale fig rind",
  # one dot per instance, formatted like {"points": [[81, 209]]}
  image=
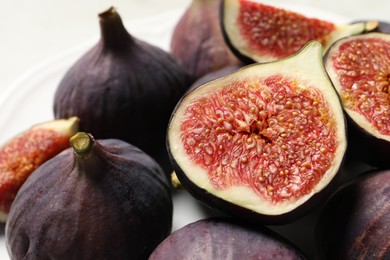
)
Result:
{"points": [[100, 199], [240, 201], [355, 222], [364, 78], [25, 152], [260, 43], [225, 238]]}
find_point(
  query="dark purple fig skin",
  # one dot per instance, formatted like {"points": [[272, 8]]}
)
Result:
{"points": [[224, 238], [355, 222], [197, 42], [116, 204], [123, 88]]}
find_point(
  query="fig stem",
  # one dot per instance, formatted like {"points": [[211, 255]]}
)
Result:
{"points": [[113, 33], [82, 144]]}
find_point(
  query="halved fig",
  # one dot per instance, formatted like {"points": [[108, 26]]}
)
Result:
{"points": [[26, 151], [355, 222], [225, 238], [261, 33], [263, 142], [359, 67]]}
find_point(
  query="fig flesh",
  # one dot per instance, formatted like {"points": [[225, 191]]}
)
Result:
{"points": [[25, 152], [99, 199], [203, 50], [263, 143], [262, 33], [123, 88], [355, 222], [224, 238], [359, 67]]}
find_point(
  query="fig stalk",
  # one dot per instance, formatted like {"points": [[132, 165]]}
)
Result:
{"points": [[82, 144], [114, 34]]}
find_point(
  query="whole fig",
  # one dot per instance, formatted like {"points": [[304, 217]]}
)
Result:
{"points": [[225, 238], [203, 50], [123, 88], [355, 222], [103, 199]]}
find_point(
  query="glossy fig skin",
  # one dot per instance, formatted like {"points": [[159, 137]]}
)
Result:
{"points": [[123, 88], [203, 50], [225, 238], [355, 222], [114, 204]]}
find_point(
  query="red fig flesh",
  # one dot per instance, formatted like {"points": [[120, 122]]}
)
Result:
{"points": [[359, 67], [25, 152], [261, 33]]}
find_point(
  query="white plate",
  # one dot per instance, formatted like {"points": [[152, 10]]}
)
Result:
{"points": [[29, 101]]}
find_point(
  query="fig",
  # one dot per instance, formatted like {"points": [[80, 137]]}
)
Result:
{"points": [[225, 238], [99, 199], [359, 67], [265, 142], [123, 88], [260, 32], [355, 222], [26, 151], [197, 42]]}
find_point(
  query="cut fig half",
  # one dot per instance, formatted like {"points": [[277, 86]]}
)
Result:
{"points": [[359, 67], [260, 32], [264, 142]]}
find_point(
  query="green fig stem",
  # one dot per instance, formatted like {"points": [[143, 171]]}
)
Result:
{"points": [[113, 33], [82, 144]]}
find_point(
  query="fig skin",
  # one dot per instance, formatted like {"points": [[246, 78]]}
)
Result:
{"points": [[123, 88], [26, 151], [355, 222], [203, 50], [225, 238], [365, 144], [107, 200], [194, 178]]}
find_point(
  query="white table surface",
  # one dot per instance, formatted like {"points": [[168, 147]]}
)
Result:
{"points": [[33, 31]]}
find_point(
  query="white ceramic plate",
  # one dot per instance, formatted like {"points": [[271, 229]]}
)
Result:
{"points": [[29, 101]]}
